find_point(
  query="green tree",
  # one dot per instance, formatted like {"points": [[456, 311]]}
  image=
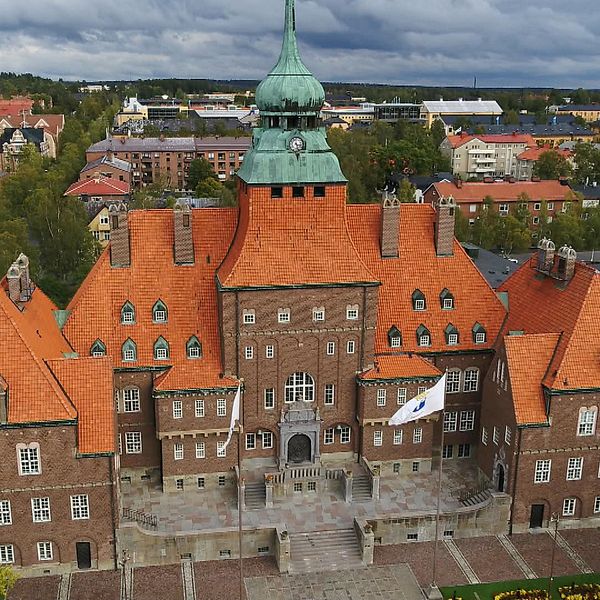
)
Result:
{"points": [[511, 117], [406, 191], [484, 232], [438, 132], [462, 230], [511, 235], [552, 165], [200, 169], [8, 578], [587, 161]]}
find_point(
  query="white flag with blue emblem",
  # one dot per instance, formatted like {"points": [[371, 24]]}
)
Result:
{"points": [[235, 414], [423, 404]]}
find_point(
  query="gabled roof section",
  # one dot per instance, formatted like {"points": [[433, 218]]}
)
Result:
{"points": [[542, 304], [528, 358], [116, 163], [418, 266], [533, 154], [100, 186], [456, 141], [475, 192], [400, 366], [188, 291]]}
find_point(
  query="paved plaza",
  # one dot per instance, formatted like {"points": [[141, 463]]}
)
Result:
{"points": [[377, 583], [193, 511]]}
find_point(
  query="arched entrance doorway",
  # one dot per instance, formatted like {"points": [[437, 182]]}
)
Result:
{"points": [[500, 478], [299, 449]]}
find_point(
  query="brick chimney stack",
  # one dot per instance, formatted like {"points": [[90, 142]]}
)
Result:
{"points": [[444, 226], [545, 255], [567, 257], [13, 277], [26, 284], [390, 227], [183, 247], [120, 255]]}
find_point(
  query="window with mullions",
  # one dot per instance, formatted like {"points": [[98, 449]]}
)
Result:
{"points": [[446, 299], [423, 336], [451, 334], [394, 337], [129, 351], [418, 300], [193, 348], [161, 349], [453, 381], [159, 312], [128, 314], [98, 349], [479, 334], [300, 387]]}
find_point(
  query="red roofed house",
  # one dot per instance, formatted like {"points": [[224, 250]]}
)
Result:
{"points": [[479, 156], [18, 105], [527, 159], [58, 504], [539, 422], [548, 196], [100, 189]]}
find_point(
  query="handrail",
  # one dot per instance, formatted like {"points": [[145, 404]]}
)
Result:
{"points": [[145, 519]]}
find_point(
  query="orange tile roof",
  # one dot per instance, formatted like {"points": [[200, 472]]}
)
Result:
{"points": [[418, 267], [522, 138], [534, 154], [293, 242], [99, 186], [474, 192], [15, 105], [400, 366], [189, 293], [53, 124], [89, 384], [528, 358], [541, 304]]}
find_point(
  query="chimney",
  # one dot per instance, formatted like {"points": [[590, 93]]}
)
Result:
{"points": [[13, 277], [26, 285], [444, 226], [545, 256], [390, 227], [567, 257], [183, 247], [119, 235]]}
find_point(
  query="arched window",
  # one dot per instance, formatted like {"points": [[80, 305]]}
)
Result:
{"points": [[423, 336], [128, 314], [300, 387], [453, 381], [446, 299], [193, 348], [471, 383], [129, 351], [161, 349], [479, 334], [159, 312], [418, 300], [451, 333], [394, 337], [98, 348]]}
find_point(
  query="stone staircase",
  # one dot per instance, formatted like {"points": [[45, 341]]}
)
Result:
{"points": [[476, 498], [361, 488], [255, 495], [332, 550]]}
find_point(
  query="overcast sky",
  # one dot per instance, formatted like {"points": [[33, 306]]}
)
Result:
{"points": [[433, 42]]}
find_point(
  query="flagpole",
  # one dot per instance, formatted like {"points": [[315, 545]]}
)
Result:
{"points": [[240, 498], [434, 591]]}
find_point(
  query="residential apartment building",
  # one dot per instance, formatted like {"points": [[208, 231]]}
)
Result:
{"points": [[589, 112], [435, 109], [539, 422], [526, 161], [479, 156], [52, 125], [169, 158], [107, 166], [14, 140]]}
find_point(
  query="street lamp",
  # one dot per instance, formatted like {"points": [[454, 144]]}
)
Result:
{"points": [[555, 518], [125, 558]]}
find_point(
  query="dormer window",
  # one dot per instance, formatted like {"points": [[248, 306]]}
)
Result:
{"points": [[98, 349], [418, 300], [161, 349], [127, 314], [129, 351], [423, 336], [194, 348], [159, 312], [446, 299], [479, 334], [394, 337], [451, 335]]}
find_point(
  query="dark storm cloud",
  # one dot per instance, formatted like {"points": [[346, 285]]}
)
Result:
{"points": [[438, 42]]}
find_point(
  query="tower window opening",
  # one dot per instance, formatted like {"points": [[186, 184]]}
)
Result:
{"points": [[292, 122], [319, 191], [298, 191], [277, 192]]}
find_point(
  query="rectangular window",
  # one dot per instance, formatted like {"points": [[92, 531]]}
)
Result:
{"points": [[200, 483], [250, 441], [396, 341], [401, 398], [507, 435], [448, 303], [7, 554], [199, 408], [318, 314], [574, 468], [418, 435], [133, 442], [80, 507], [269, 351], [447, 451], [249, 318], [537, 206], [351, 313], [297, 191], [412, 537], [450, 421], [269, 398], [249, 352], [453, 382], [542, 471], [350, 347], [221, 450], [471, 383], [5, 514], [276, 192], [378, 438], [396, 467], [328, 436], [330, 348], [177, 409], [221, 407], [200, 450], [484, 436], [345, 435], [397, 437], [587, 422], [179, 485], [44, 550], [464, 450], [131, 400], [419, 304], [597, 504], [496, 435], [381, 396], [421, 389], [178, 451], [550, 206], [452, 339], [40, 510], [29, 461], [329, 398], [283, 315], [503, 209], [319, 191], [415, 466], [480, 338], [298, 487], [569, 507], [160, 316], [267, 440], [467, 420]]}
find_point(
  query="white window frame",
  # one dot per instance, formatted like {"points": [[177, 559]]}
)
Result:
{"points": [[249, 352], [80, 507], [417, 435], [401, 396], [471, 379], [450, 421], [575, 468], [269, 398], [269, 351], [40, 510], [161, 353], [569, 507], [543, 470], [453, 377], [5, 513], [419, 304], [221, 449], [199, 408], [7, 554], [350, 347], [283, 315], [381, 396], [452, 339], [480, 337], [424, 340], [178, 451], [267, 440], [177, 409], [131, 400], [250, 441], [249, 317], [597, 504], [537, 205], [395, 341], [448, 303], [467, 420], [160, 316], [550, 206], [398, 435], [345, 434], [507, 435], [29, 459], [330, 348], [318, 314], [484, 436], [329, 394], [221, 407], [328, 436], [133, 442], [44, 551], [200, 450], [496, 435], [585, 425], [377, 438], [352, 313]]}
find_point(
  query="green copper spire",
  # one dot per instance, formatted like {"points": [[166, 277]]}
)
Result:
{"points": [[290, 87]]}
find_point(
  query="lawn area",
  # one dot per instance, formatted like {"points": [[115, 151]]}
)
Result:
{"points": [[487, 591]]}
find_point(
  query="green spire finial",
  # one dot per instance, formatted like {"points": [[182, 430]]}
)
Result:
{"points": [[290, 45]]}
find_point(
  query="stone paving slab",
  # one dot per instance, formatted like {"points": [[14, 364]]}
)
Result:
{"points": [[536, 549], [489, 559], [586, 542], [99, 585]]}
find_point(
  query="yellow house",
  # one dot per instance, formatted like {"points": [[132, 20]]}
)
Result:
{"points": [[100, 228]]}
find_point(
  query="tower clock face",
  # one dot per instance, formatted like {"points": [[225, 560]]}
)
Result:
{"points": [[297, 144]]}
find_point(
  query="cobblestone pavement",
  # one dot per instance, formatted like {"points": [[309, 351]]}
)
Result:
{"points": [[536, 549], [586, 542], [40, 588], [99, 585], [205, 509], [477, 552]]}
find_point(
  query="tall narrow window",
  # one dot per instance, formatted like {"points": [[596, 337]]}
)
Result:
{"points": [[378, 438], [80, 507], [269, 398], [129, 351], [381, 396], [29, 459], [453, 381], [199, 408], [177, 409], [423, 336], [178, 451], [401, 396], [471, 383], [329, 394], [587, 421], [131, 400]]}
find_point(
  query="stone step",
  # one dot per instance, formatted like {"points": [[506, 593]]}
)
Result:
{"points": [[477, 498], [361, 488], [255, 495]]}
